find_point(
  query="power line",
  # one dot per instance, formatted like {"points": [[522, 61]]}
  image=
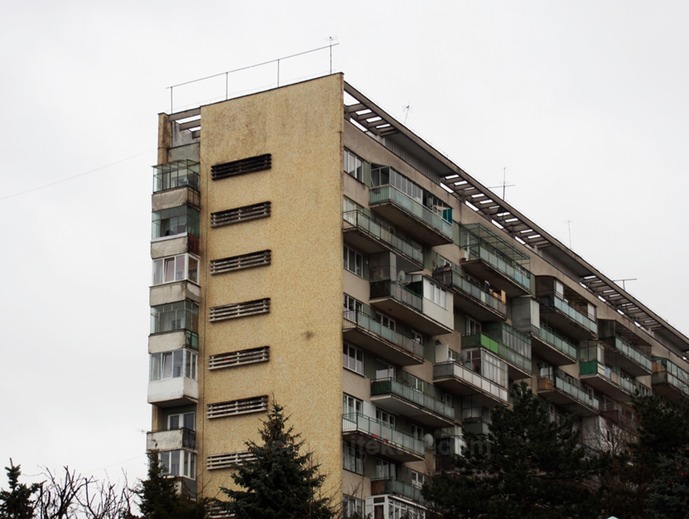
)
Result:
{"points": [[63, 180]]}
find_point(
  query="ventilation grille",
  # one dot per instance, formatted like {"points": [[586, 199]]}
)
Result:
{"points": [[237, 310], [255, 404], [228, 461], [239, 358], [245, 261], [242, 166], [240, 214]]}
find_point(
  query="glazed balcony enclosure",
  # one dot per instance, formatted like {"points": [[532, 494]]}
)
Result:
{"points": [[474, 372], [408, 396], [565, 309], [408, 206], [362, 329], [510, 345], [669, 379], [490, 258], [395, 487], [470, 295], [173, 378], [558, 387], [418, 302], [369, 235], [379, 438]]}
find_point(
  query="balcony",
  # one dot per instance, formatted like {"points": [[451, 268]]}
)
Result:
{"points": [[510, 345], [380, 439], [420, 222], [484, 304], [620, 414], [669, 380], [173, 341], [466, 378], [622, 354], [566, 391], [398, 488], [399, 398], [175, 244], [362, 330], [175, 174], [369, 236], [558, 312], [487, 256], [171, 440], [410, 307], [609, 381], [551, 347], [171, 392]]}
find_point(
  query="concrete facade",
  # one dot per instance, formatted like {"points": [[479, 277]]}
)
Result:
{"points": [[360, 278]]}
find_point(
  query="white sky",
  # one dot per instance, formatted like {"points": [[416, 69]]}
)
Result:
{"points": [[584, 102]]}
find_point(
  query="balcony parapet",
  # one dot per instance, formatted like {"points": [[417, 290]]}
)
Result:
{"points": [[563, 390], [382, 439], [424, 408], [584, 327], [399, 488], [482, 298], [609, 381], [519, 364], [455, 377], [171, 440], [669, 379]]}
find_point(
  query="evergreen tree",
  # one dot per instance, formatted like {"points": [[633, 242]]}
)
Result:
{"points": [[528, 466], [159, 498], [17, 502], [279, 482]]}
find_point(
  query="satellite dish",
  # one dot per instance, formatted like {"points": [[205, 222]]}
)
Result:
{"points": [[401, 276], [428, 441]]}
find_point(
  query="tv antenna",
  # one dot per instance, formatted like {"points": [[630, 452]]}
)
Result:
{"points": [[504, 183], [624, 280], [406, 110]]}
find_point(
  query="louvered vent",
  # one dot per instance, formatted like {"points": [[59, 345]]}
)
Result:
{"points": [[228, 461], [239, 358], [240, 214], [237, 310], [242, 166], [256, 404], [244, 261]]}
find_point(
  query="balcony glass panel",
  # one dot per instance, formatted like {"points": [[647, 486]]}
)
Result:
{"points": [[390, 194], [453, 278], [376, 428], [371, 226], [179, 173], [547, 335], [428, 401], [175, 220], [628, 351], [568, 385], [180, 315], [396, 291], [392, 486], [512, 348], [369, 324], [666, 371], [563, 306]]}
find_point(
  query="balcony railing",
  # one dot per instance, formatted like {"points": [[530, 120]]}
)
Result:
{"points": [[398, 292], [370, 226], [547, 335], [667, 372], [460, 283], [469, 378], [569, 387], [393, 387], [556, 302], [593, 367], [392, 486], [508, 268], [387, 194], [382, 432], [628, 351], [372, 326]]}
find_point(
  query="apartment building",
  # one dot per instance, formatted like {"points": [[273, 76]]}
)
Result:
{"points": [[309, 248]]}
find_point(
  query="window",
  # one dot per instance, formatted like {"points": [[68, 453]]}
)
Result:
{"points": [[353, 261], [384, 371], [175, 220], [179, 463], [243, 261], [385, 417], [174, 364], [352, 458], [353, 165], [353, 359], [435, 293], [241, 166], [181, 315], [352, 305], [175, 268], [472, 327], [385, 469], [417, 479], [240, 214], [181, 420], [237, 310], [352, 507], [387, 322], [351, 405], [417, 432], [178, 173]]}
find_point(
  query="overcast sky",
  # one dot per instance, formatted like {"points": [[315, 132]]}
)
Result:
{"points": [[585, 103]]}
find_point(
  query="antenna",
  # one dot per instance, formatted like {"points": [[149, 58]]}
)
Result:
{"points": [[406, 110], [569, 230], [504, 183], [624, 286]]}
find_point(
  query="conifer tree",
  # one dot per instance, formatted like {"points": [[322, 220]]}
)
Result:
{"points": [[528, 466], [17, 502], [280, 481]]}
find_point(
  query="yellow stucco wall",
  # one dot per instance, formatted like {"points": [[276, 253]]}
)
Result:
{"points": [[301, 126]]}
